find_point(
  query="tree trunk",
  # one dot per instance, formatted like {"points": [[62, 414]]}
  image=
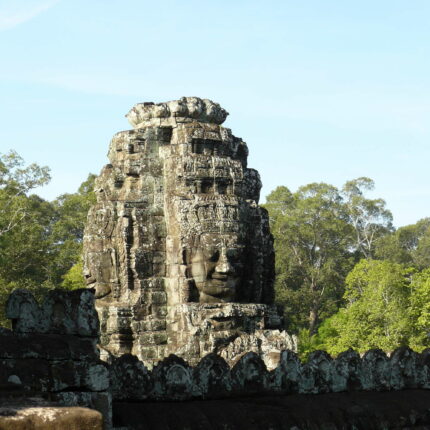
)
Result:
{"points": [[313, 321]]}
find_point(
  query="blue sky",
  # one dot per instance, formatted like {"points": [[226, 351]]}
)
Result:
{"points": [[320, 90]]}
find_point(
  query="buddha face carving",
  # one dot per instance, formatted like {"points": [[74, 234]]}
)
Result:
{"points": [[216, 265]]}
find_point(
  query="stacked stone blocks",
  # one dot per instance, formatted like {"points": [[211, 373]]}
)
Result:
{"points": [[52, 352]]}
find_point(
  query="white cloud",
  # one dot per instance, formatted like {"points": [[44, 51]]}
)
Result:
{"points": [[13, 13]]}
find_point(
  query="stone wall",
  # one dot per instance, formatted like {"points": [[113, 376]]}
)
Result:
{"points": [[212, 378], [51, 351]]}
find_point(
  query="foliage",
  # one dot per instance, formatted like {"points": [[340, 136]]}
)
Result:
{"points": [[16, 181], [25, 249], [408, 245], [74, 278], [386, 306], [320, 233], [67, 231], [369, 217], [312, 241], [419, 310], [40, 241], [308, 343]]}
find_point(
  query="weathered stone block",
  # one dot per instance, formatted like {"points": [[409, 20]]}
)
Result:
{"points": [[101, 402], [160, 338], [33, 374], [159, 311], [70, 312], [286, 376], [346, 371], [212, 378], [50, 417], [95, 376], [66, 375], [130, 379], [423, 374], [24, 311], [158, 298], [316, 374], [148, 353], [375, 371], [249, 375], [403, 363], [172, 379]]}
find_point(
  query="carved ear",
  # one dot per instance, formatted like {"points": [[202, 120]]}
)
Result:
{"points": [[193, 291], [186, 256]]}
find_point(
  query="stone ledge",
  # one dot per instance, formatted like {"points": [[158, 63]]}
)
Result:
{"points": [[36, 414]]}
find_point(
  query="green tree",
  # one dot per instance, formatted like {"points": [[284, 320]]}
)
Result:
{"points": [[25, 251], [377, 311], [369, 217], [312, 241], [16, 180], [420, 310], [74, 278], [68, 228], [42, 250], [320, 233], [407, 245], [25, 222]]}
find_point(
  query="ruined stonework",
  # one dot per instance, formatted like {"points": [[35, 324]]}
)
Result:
{"points": [[50, 359], [176, 247]]}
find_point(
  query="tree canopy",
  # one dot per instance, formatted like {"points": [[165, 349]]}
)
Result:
{"points": [[16, 180], [369, 217], [312, 241], [344, 275], [408, 245], [40, 241]]}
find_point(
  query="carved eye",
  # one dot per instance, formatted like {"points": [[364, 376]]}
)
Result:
{"points": [[234, 256], [214, 257]]}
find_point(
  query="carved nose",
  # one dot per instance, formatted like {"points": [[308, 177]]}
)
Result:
{"points": [[223, 265]]}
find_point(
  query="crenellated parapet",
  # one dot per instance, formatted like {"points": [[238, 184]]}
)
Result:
{"points": [[174, 379]]}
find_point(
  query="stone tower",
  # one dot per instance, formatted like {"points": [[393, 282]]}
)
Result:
{"points": [[176, 247]]}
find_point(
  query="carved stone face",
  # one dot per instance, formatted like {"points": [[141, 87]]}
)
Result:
{"points": [[216, 266]]}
